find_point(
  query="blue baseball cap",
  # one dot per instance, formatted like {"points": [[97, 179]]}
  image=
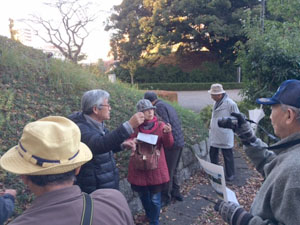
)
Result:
{"points": [[288, 93]]}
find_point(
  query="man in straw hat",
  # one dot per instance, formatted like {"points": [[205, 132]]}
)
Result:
{"points": [[221, 138], [48, 156], [277, 201]]}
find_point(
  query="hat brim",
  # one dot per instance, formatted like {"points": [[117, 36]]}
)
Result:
{"points": [[216, 93], [267, 101], [13, 162], [153, 107]]}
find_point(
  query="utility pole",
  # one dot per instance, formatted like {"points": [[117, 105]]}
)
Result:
{"points": [[262, 15]]}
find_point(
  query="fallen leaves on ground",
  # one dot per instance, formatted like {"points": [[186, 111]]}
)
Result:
{"points": [[245, 195]]}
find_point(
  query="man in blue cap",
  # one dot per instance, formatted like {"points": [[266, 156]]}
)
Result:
{"points": [[277, 201]]}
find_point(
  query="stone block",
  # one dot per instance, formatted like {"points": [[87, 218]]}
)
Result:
{"points": [[187, 156], [196, 149], [180, 164], [125, 188], [203, 149], [194, 168], [135, 205], [184, 174]]}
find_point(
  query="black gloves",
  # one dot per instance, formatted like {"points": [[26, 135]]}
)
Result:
{"points": [[232, 213], [244, 130]]}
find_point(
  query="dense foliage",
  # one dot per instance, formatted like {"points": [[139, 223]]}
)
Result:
{"points": [[147, 30], [209, 72], [271, 55], [272, 52], [147, 26]]}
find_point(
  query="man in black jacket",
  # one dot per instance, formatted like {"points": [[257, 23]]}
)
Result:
{"points": [[101, 171], [7, 204], [168, 114]]}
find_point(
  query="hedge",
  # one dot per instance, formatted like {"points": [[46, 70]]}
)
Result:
{"points": [[186, 86]]}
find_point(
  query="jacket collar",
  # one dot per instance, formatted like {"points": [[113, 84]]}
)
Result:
{"points": [[290, 138], [217, 104]]}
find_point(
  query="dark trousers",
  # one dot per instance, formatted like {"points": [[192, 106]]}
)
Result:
{"points": [[172, 157], [228, 159]]}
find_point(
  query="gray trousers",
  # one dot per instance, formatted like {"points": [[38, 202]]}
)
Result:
{"points": [[172, 157]]}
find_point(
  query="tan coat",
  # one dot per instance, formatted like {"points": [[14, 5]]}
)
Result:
{"points": [[64, 206]]}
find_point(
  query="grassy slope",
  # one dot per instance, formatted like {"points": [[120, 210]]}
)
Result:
{"points": [[33, 86]]}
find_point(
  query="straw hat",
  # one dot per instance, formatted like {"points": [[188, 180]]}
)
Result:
{"points": [[216, 89], [50, 145]]}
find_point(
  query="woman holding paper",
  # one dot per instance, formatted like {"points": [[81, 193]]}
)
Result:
{"points": [[148, 172]]}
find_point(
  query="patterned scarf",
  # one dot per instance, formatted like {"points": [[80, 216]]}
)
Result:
{"points": [[149, 125]]}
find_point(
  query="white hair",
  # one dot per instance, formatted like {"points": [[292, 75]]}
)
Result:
{"points": [[93, 98], [285, 107]]}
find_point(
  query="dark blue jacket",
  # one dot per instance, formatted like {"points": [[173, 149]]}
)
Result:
{"points": [[7, 203], [101, 171], [169, 115]]}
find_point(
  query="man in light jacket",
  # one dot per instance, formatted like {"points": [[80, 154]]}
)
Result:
{"points": [[222, 138]]}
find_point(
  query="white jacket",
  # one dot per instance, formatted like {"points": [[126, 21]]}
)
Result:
{"points": [[222, 137]]}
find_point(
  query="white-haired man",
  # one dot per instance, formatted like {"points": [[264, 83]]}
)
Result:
{"points": [[277, 201], [101, 171]]}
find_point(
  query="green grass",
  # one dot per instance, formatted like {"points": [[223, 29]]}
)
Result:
{"points": [[33, 87]]}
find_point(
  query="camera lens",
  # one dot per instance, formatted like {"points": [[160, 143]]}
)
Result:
{"points": [[228, 122]]}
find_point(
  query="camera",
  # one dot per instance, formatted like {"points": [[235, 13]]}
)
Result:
{"points": [[230, 122]]}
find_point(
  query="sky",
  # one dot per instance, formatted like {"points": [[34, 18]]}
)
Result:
{"points": [[96, 45]]}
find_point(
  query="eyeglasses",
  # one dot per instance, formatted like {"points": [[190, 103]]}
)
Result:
{"points": [[107, 105]]}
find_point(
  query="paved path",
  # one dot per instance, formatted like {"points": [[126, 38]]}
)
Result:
{"points": [[197, 100], [193, 206]]}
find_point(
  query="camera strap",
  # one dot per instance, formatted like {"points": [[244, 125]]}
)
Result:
{"points": [[285, 145]]}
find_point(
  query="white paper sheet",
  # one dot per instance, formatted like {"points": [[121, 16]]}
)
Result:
{"points": [[231, 196], [216, 176], [256, 115], [148, 138]]}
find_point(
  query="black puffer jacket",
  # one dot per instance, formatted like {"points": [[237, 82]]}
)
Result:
{"points": [[101, 171], [169, 115]]}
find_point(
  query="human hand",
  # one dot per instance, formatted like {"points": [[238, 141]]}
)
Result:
{"points": [[167, 128], [12, 192], [244, 130], [129, 144], [137, 119], [232, 213]]}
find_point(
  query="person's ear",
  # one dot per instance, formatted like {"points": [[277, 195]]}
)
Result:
{"points": [[291, 116], [77, 170], [25, 179], [95, 109]]}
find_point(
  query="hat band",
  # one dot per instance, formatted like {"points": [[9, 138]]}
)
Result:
{"points": [[38, 160]]}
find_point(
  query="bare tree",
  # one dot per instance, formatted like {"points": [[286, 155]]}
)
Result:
{"points": [[69, 32]]}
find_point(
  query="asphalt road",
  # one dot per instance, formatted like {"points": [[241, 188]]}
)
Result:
{"points": [[197, 100]]}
